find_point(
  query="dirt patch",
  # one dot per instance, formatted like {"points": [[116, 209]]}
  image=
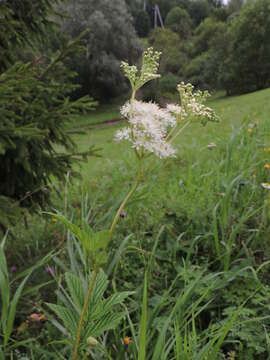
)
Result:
{"points": [[107, 122]]}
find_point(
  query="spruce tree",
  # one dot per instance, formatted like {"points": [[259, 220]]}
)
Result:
{"points": [[35, 109]]}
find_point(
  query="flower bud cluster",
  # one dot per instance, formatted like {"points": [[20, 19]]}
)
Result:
{"points": [[193, 103], [130, 72], [149, 69]]}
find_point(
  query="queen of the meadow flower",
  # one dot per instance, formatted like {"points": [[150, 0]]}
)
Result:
{"points": [[192, 103], [152, 129]]}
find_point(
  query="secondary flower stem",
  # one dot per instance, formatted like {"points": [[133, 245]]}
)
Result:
{"points": [[85, 305], [172, 131], [133, 96], [132, 190], [179, 131]]}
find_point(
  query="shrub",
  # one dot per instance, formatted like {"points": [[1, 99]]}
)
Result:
{"points": [[173, 52], [178, 20]]}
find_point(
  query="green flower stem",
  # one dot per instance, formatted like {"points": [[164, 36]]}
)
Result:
{"points": [[132, 190], [133, 95], [172, 131], [85, 305], [137, 181], [179, 131]]}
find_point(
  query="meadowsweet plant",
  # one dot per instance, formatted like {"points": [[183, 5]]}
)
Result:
{"points": [[151, 131]]}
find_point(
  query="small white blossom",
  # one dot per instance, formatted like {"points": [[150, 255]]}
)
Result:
{"points": [[266, 185], [177, 111], [148, 128], [92, 341], [174, 109], [123, 134], [211, 146]]}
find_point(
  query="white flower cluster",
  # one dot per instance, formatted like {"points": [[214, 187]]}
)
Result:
{"points": [[148, 128]]}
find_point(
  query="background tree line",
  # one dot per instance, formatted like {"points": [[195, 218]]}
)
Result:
{"points": [[205, 42], [212, 45]]}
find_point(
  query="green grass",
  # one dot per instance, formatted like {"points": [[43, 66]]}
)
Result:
{"points": [[198, 224], [210, 178]]}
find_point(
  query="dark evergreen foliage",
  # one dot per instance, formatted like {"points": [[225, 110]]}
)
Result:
{"points": [[23, 23], [35, 108]]}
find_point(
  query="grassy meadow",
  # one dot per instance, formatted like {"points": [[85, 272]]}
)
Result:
{"points": [[198, 224], [131, 229], [233, 112]]}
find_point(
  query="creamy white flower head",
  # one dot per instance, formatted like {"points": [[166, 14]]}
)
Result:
{"points": [[199, 110], [148, 129], [266, 185], [174, 109], [211, 146]]}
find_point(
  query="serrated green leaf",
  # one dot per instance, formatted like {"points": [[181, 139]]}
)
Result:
{"points": [[101, 239], [91, 241], [68, 317], [75, 289]]}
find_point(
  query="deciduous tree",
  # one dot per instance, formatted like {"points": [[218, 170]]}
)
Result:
{"points": [[111, 37]]}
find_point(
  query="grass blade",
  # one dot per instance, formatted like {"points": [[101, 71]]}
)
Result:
{"points": [[143, 325]]}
